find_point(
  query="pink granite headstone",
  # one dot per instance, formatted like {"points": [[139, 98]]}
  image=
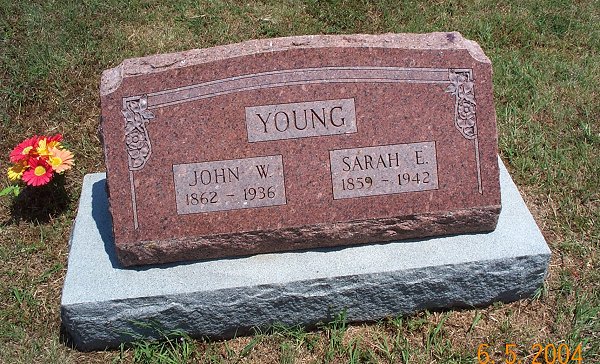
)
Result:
{"points": [[302, 142]]}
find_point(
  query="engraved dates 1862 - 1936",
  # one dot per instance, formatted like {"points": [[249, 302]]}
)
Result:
{"points": [[229, 184], [383, 170]]}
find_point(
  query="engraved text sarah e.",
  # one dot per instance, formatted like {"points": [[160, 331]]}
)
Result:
{"points": [[383, 170]]}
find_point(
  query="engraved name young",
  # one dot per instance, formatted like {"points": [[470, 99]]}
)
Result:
{"points": [[298, 120], [243, 149]]}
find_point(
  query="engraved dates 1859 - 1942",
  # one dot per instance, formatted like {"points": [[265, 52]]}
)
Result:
{"points": [[383, 170]]}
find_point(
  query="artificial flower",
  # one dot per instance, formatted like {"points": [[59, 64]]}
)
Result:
{"points": [[23, 150], [60, 159], [55, 139], [42, 148], [16, 171], [38, 174], [45, 144], [36, 160]]}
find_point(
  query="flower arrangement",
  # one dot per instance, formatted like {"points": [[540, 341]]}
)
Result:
{"points": [[36, 161]]}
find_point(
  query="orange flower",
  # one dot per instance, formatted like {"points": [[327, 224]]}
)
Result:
{"points": [[39, 173], [60, 159], [24, 150]]}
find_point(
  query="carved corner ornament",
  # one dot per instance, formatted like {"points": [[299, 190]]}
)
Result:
{"points": [[137, 140], [461, 86]]}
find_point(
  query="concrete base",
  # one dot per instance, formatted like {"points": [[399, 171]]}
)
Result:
{"points": [[104, 304]]}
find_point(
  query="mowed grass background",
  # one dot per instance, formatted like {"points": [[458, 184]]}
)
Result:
{"points": [[546, 58]]}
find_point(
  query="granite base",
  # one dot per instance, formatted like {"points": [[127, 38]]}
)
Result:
{"points": [[104, 304]]}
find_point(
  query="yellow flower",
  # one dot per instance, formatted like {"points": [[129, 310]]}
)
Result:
{"points": [[42, 148], [45, 144], [60, 159], [54, 144], [16, 171]]}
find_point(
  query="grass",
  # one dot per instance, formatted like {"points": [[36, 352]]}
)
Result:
{"points": [[546, 57]]}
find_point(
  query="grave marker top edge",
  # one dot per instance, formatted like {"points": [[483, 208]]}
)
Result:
{"points": [[112, 78]]}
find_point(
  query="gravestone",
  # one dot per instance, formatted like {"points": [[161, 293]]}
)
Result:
{"points": [[292, 143], [303, 142]]}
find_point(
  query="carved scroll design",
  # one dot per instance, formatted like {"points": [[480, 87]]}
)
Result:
{"points": [[137, 140], [461, 86]]}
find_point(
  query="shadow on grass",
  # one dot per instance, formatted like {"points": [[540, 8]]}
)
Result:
{"points": [[40, 204]]}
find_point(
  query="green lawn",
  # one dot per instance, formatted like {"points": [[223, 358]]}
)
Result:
{"points": [[546, 58]]}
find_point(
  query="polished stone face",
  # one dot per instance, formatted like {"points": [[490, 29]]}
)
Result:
{"points": [[302, 142]]}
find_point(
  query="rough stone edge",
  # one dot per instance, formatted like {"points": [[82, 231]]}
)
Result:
{"points": [[112, 78], [105, 323], [226, 313], [476, 220]]}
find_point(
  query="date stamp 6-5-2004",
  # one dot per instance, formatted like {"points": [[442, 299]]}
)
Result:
{"points": [[537, 354]]}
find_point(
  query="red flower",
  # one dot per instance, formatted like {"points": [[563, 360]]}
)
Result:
{"points": [[39, 172], [22, 151], [56, 138]]}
